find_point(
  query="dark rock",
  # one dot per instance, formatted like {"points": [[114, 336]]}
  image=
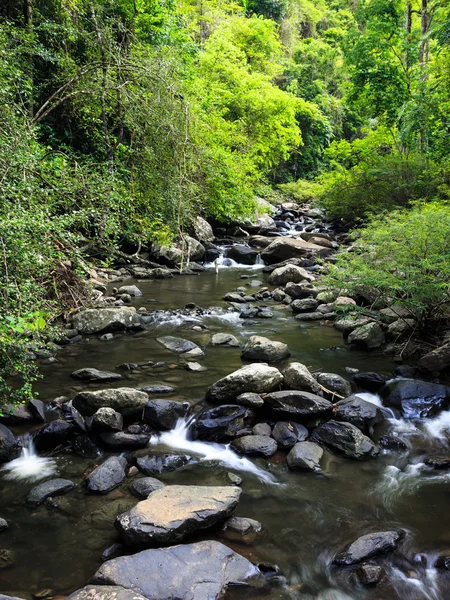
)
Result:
{"points": [[371, 382], [259, 348], [113, 551], [16, 415], [287, 434], [89, 374], [72, 415], [242, 254], [250, 399], [156, 464], [296, 402], [415, 398], [262, 429], [163, 415], [84, 446], [436, 361], [443, 561], [260, 445], [368, 336], [392, 442], [105, 592], [37, 409], [222, 423], [405, 371], [172, 513], [300, 290], [176, 344], [304, 305], [7, 559], [368, 546], [438, 462], [142, 488], [121, 439], [109, 475], [345, 438], [241, 529], [256, 378], [3, 524], [54, 434], [335, 384], [157, 389], [41, 492], [10, 448], [127, 401], [359, 412], [306, 456], [369, 575], [200, 571]]}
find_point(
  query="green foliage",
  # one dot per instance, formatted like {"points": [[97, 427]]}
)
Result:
{"points": [[405, 255]]}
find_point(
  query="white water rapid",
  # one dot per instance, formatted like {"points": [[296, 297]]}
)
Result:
{"points": [[29, 466]]}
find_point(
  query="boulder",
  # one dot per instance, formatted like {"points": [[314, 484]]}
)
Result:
{"points": [[290, 273], [222, 423], [176, 344], [314, 316], [287, 434], [126, 401], [300, 290], [359, 412], [53, 487], [142, 488], [109, 475], [163, 415], [172, 513], [297, 402], [155, 464], [348, 324], [131, 290], [262, 429], [335, 383], [298, 377], [89, 374], [242, 254], [203, 230], [105, 592], [415, 398], [259, 445], [259, 348], [225, 339], [394, 312], [257, 377], [157, 389], [368, 336], [304, 305], [19, 414], [400, 329], [346, 439], [305, 456], [368, 546], [10, 447], [436, 361], [370, 381], [235, 297], [284, 248], [155, 273], [200, 571], [107, 419], [104, 320], [195, 367], [369, 575], [178, 252], [250, 399], [121, 440], [241, 529], [54, 434]]}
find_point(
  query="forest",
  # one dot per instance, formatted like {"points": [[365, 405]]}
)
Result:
{"points": [[122, 120]]}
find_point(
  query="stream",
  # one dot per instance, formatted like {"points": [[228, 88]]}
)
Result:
{"points": [[306, 517]]}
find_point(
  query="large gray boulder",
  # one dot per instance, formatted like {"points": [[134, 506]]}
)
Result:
{"points": [[203, 230], [304, 305], [9, 445], [259, 348], [121, 440], [178, 252], [53, 487], [200, 571], [368, 336], [107, 419], [297, 402], [126, 401], [298, 377], [289, 273], [89, 374], [105, 592], [305, 456], [258, 445], [346, 439], [335, 384], [104, 320], [359, 412], [257, 377], [368, 546], [107, 476], [415, 398], [176, 344], [284, 248], [436, 361], [163, 415], [242, 254], [172, 513]]}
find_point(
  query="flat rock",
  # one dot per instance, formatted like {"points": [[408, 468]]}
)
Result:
{"points": [[105, 320], [225, 339], [284, 248], [156, 464], [105, 592], [126, 401], [368, 546], [305, 456], [345, 438], [171, 513], [259, 445], [54, 487], [297, 402], [200, 571], [157, 389], [89, 374], [143, 487], [107, 476], [257, 377], [176, 344]]}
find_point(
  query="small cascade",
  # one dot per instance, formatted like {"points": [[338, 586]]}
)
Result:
{"points": [[420, 582], [223, 262], [29, 466], [178, 439]]}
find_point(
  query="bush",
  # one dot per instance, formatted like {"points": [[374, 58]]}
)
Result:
{"points": [[405, 256]]}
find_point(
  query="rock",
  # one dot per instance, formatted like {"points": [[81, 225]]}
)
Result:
{"points": [[163, 415], [359, 412], [3, 597], [104, 320], [348, 324], [3, 524], [37, 409], [176, 344], [304, 305], [121, 440], [142, 488], [234, 297], [400, 329], [369, 336], [262, 429], [300, 290], [200, 571], [19, 414], [297, 402], [107, 419], [289, 273], [259, 348], [258, 378], [105, 592], [417, 399], [314, 316], [369, 575], [260, 445], [203, 230], [285, 247], [174, 512], [157, 389], [127, 401], [156, 464], [53, 487], [442, 561], [371, 382], [222, 423], [343, 302], [178, 252], [155, 273], [112, 551], [242, 254], [298, 377], [131, 290], [109, 475], [195, 367], [438, 462], [250, 399], [83, 445], [234, 479], [287, 434], [345, 438], [194, 353], [7, 559], [241, 529], [225, 339], [368, 546], [393, 313], [54, 434], [306, 456], [95, 375], [335, 383], [10, 448], [436, 361]]}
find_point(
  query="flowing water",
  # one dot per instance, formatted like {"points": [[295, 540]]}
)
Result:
{"points": [[307, 517]]}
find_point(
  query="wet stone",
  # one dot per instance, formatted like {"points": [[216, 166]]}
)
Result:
{"points": [[94, 375], [241, 529], [259, 445], [107, 476], [369, 575], [162, 463], [368, 546], [44, 490], [287, 434], [262, 429], [105, 592], [142, 488]]}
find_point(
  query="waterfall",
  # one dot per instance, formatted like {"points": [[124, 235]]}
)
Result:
{"points": [[29, 466]]}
